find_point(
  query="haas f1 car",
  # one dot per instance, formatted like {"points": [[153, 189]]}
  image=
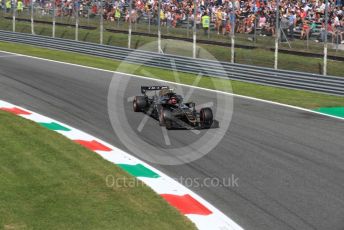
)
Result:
{"points": [[168, 108]]}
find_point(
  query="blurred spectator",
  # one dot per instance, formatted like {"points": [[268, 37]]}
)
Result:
{"points": [[297, 18], [292, 24], [8, 6], [205, 23], [305, 30]]}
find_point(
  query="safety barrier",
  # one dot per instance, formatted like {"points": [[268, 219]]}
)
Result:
{"points": [[259, 75]]}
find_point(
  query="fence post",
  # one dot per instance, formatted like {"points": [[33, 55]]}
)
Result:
{"points": [[308, 39], [159, 27], [88, 16], [149, 21], [54, 18], [194, 30], [255, 23], [129, 18], [233, 32], [277, 34], [101, 23], [32, 25], [14, 16], [62, 13], [325, 40], [188, 25], [76, 21]]}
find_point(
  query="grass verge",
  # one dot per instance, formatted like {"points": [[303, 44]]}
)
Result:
{"points": [[49, 182], [300, 98]]}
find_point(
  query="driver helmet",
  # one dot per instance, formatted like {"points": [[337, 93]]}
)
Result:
{"points": [[173, 100]]}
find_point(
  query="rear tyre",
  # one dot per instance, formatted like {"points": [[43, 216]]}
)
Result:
{"points": [[206, 117], [139, 103]]}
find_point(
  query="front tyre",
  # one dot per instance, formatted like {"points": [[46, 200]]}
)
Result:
{"points": [[165, 118], [168, 124], [206, 118], [139, 103], [161, 117]]}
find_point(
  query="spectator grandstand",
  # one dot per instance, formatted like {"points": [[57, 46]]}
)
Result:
{"points": [[303, 19]]}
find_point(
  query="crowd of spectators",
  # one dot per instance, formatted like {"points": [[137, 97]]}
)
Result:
{"points": [[303, 18]]}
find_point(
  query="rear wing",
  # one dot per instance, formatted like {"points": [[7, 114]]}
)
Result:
{"points": [[152, 88]]}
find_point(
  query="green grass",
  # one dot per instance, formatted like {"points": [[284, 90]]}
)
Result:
{"points": [[49, 182], [300, 98], [259, 56]]}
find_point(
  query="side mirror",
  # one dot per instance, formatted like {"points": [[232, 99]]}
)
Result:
{"points": [[192, 105]]}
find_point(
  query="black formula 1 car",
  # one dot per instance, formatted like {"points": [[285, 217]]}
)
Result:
{"points": [[168, 108]]}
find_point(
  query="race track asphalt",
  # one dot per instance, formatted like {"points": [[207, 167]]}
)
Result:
{"points": [[289, 163]]}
